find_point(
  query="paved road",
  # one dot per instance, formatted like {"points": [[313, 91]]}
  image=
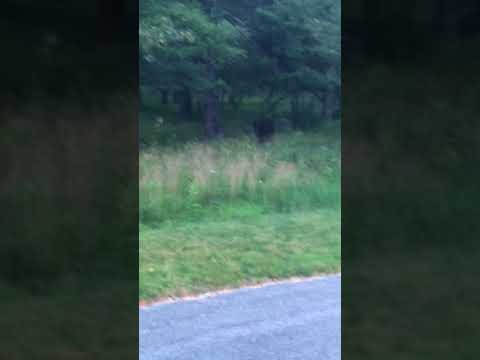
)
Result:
{"points": [[289, 321]]}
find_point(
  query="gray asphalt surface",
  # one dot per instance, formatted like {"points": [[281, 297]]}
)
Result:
{"points": [[285, 321]]}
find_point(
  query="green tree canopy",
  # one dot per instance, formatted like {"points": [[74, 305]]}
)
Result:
{"points": [[271, 48]]}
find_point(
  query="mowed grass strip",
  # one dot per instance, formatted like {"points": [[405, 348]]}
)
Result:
{"points": [[178, 259]]}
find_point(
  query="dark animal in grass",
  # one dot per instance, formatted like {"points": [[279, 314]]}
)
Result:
{"points": [[264, 129]]}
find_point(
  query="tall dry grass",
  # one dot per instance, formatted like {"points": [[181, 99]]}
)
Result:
{"points": [[287, 173], [203, 164]]}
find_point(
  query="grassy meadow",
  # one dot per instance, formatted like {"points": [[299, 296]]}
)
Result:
{"points": [[233, 212]]}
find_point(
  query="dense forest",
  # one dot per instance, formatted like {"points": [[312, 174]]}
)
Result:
{"points": [[207, 55]]}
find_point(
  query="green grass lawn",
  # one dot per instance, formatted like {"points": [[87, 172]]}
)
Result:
{"points": [[180, 259], [229, 213]]}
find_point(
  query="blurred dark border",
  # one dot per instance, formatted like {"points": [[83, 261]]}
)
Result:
{"points": [[410, 147], [69, 184]]}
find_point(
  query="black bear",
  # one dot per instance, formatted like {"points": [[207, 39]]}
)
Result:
{"points": [[264, 129]]}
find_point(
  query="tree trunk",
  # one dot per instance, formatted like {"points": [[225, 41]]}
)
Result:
{"points": [[165, 97], [187, 103], [295, 111], [324, 105], [199, 107], [212, 98], [212, 129], [232, 99]]}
